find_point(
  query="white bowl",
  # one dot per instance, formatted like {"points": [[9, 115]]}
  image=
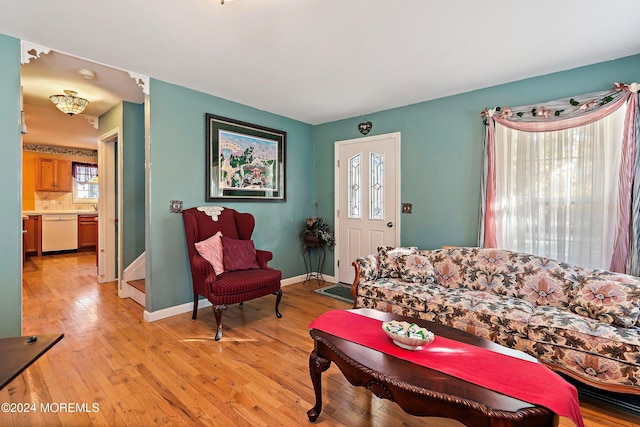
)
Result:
{"points": [[407, 335]]}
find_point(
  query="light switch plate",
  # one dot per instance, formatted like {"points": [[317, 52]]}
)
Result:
{"points": [[407, 208]]}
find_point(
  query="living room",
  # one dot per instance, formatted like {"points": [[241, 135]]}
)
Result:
{"points": [[441, 166]]}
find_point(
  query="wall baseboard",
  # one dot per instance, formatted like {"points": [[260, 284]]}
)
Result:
{"points": [[152, 316]]}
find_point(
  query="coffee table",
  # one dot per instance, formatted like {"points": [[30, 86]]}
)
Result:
{"points": [[418, 390], [18, 353]]}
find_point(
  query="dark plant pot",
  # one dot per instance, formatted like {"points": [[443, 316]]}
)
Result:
{"points": [[310, 239]]}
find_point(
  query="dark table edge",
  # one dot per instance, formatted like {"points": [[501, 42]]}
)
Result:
{"points": [[38, 356]]}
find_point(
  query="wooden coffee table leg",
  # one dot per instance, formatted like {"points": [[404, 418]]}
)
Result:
{"points": [[317, 365]]}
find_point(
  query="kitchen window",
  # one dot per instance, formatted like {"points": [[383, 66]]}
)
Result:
{"points": [[85, 182]]}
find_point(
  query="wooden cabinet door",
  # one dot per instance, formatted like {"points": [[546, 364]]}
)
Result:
{"points": [[45, 174], [87, 231], [31, 238], [63, 176], [53, 175]]}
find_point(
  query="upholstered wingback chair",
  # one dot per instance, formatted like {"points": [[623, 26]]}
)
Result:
{"points": [[242, 271]]}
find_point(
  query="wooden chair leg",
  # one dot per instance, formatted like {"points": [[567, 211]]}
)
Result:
{"points": [[278, 295], [195, 307], [217, 311]]}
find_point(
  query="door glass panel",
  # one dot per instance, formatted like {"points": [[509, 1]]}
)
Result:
{"points": [[355, 196], [376, 192]]}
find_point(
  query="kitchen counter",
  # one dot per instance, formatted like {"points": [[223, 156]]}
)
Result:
{"points": [[60, 212]]}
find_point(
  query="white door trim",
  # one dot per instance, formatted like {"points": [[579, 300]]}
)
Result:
{"points": [[109, 265], [336, 181]]}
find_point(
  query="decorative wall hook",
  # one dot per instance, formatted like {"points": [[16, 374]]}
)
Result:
{"points": [[365, 127], [175, 206]]}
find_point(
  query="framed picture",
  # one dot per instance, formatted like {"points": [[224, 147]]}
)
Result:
{"points": [[244, 161]]}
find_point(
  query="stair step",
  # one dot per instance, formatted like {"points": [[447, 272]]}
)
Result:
{"points": [[138, 284]]}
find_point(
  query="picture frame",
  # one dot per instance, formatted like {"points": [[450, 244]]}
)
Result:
{"points": [[244, 161]]}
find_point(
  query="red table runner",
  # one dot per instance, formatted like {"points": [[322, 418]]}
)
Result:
{"points": [[522, 379]]}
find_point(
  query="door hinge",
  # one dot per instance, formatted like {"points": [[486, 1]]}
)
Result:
{"points": [[338, 213], [338, 163], [338, 263]]}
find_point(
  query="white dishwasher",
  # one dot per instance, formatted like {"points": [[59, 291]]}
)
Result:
{"points": [[59, 232]]}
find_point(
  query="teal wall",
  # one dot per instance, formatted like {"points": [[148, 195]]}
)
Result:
{"points": [[133, 170], [10, 189], [441, 146], [110, 120], [177, 172]]}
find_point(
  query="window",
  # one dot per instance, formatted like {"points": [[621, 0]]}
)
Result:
{"points": [[355, 194], [559, 179], [85, 183], [376, 193], [556, 191]]}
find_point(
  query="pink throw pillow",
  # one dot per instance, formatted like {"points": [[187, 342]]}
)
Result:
{"points": [[211, 250], [238, 254]]}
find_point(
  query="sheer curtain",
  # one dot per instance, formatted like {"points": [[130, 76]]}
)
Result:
{"points": [[556, 192], [558, 179]]}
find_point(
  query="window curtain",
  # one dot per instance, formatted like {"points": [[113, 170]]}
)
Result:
{"points": [[84, 172], [559, 119]]}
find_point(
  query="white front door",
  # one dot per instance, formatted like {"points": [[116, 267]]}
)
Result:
{"points": [[367, 194]]}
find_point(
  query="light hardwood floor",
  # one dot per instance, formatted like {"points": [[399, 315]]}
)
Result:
{"points": [[172, 372]]}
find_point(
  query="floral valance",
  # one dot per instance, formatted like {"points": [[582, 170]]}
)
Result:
{"points": [[84, 172], [563, 113]]}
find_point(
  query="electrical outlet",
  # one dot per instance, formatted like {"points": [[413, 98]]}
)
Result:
{"points": [[407, 208]]}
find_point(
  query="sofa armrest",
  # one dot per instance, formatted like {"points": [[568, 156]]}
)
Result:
{"points": [[367, 267], [263, 258], [201, 265], [202, 275]]}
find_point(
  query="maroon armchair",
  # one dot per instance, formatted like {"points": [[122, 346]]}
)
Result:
{"points": [[228, 287]]}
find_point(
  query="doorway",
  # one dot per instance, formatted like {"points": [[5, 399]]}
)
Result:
{"points": [[367, 195], [109, 207], [108, 90]]}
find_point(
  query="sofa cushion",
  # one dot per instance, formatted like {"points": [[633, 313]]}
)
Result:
{"points": [[543, 288], [211, 250], [238, 254], [416, 269], [398, 292], [554, 327], [507, 273], [388, 259], [618, 277], [609, 301], [243, 285], [478, 311]]}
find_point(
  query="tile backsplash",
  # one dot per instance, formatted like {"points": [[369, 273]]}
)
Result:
{"points": [[54, 201]]}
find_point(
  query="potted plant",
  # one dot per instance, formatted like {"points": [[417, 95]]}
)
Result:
{"points": [[316, 232]]}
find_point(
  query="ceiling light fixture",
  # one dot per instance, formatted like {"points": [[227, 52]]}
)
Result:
{"points": [[86, 73], [69, 103]]}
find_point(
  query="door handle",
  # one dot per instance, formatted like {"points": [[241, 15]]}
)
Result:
{"points": [[389, 224]]}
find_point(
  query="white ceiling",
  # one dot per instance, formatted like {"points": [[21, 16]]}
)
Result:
{"points": [[322, 60]]}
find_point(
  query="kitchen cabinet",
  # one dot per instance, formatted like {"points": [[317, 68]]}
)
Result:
{"points": [[32, 233], [87, 231], [53, 175]]}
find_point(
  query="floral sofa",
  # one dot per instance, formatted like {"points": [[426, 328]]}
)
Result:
{"points": [[583, 323]]}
